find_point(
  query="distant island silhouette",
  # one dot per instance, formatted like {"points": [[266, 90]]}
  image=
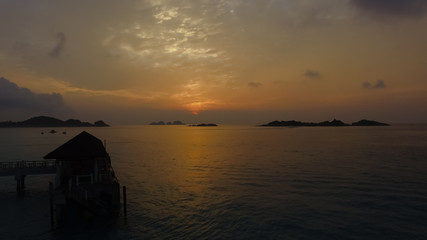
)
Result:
{"points": [[365, 122], [162, 123], [167, 123], [333, 123], [43, 121], [204, 125]]}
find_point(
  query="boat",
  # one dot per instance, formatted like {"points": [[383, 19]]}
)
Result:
{"points": [[84, 178]]}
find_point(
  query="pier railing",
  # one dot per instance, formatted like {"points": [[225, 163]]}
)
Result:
{"points": [[27, 164], [27, 167], [89, 199]]}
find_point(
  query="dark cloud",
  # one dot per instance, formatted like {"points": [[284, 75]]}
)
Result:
{"points": [[255, 84], [60, 45], [312, 74], [13, 97], [399, 8], [380, 84]]}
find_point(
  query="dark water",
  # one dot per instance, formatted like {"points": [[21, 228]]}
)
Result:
{"points": [[238, 182]]}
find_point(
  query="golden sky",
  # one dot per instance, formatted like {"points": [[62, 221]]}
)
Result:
{"points": [[225, 61]]}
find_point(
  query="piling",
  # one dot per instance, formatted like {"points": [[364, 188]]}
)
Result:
{"points": [[52, 219], [23, 183], [20, 183], [124, 201]]}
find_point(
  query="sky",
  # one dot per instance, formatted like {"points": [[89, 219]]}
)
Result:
{"points": [[222, 61]]}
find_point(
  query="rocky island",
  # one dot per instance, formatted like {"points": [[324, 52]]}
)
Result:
{"points": [[204, 125], [365, 122], [177, 122], [333, 123], [43, 121]]}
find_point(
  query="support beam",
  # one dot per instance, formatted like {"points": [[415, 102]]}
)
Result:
{"points": [[18, 186], [124, 201], [51, 203], [20, 183]]}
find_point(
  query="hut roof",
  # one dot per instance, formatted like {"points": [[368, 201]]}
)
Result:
{"points": [[82, 146]]}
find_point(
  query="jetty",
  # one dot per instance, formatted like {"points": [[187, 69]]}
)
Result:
{"points": [[84, 178], [21, 169]]}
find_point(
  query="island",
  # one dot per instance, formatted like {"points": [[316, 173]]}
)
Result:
{"points": [[365, 122], [204, 125], [333, 123], [177, 122], [44, 121]]}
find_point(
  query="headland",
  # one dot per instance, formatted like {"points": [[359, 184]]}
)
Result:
{"points": [[44, 121]]}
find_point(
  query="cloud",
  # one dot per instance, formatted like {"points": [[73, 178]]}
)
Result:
{"points": [[59, 47], [387, 8], [380, 84], [312, 74], [16, 99], [254, 84]]}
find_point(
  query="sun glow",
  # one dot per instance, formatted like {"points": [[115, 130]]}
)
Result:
{"points": [[197, 106]]}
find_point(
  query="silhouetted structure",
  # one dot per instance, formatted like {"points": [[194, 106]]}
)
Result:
{"points": [[21, 169], [85, 177]]}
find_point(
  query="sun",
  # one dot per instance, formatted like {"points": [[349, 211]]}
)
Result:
{"points": [[195, 106]]}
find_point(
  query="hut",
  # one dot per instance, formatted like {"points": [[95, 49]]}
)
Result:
{"points": [[85, 176]]}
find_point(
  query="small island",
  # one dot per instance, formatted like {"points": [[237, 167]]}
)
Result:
{"points": [[177, 122], [365, 122], [204, 125], [43, 121], [333, 123]]}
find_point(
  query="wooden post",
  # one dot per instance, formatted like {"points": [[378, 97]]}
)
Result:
{"points": [[52, 219], [22, 182], [18, 185], [124, 201]]}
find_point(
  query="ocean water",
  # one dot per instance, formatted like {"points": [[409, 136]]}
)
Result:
{"points": [[237, 182]]}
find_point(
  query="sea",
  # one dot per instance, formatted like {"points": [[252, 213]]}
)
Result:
{"points": [[236, 182]]}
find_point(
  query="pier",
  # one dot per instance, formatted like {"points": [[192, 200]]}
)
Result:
{"points": [[20, 169], [85, 180]]}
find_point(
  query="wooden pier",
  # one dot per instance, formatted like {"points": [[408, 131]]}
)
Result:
{"points": [[85, 180], [21, 169]]}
